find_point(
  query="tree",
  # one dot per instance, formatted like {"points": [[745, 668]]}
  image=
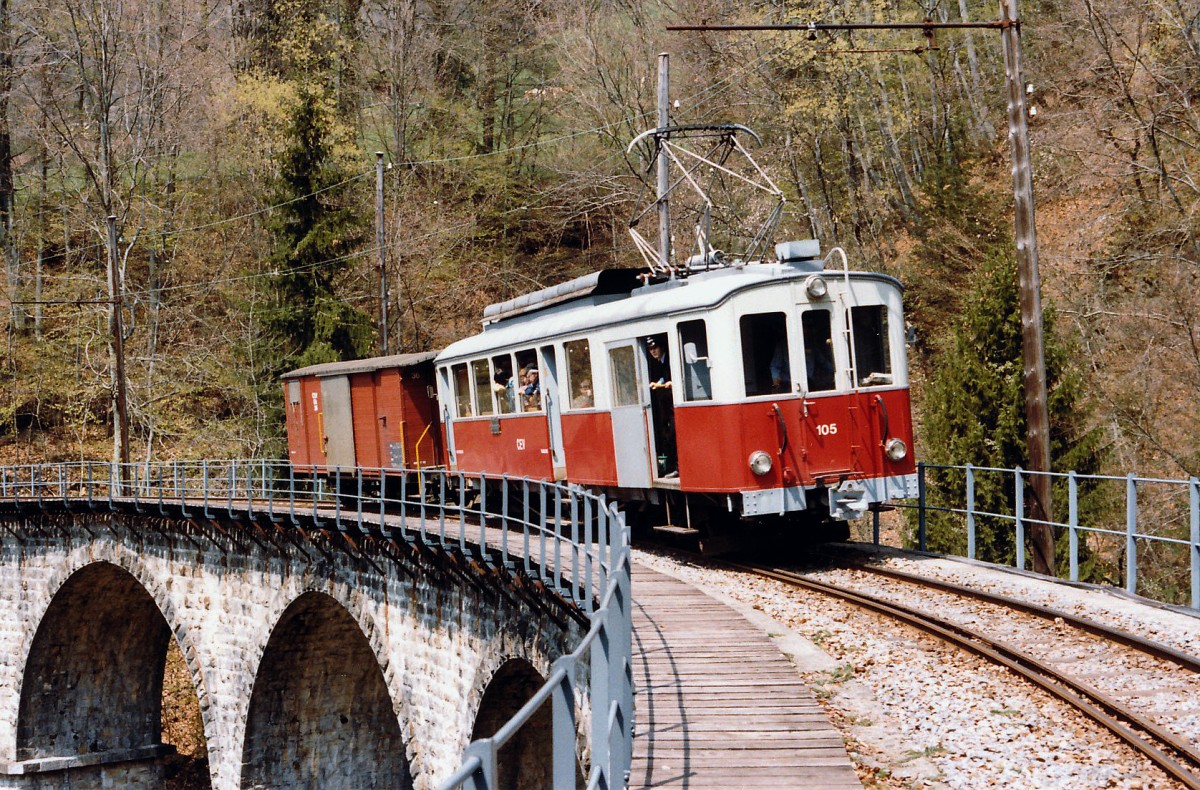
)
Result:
{"points": [[974, 412], [314, 230]]}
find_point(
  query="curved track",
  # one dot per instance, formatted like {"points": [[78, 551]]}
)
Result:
{"points": [[1178, 758]]}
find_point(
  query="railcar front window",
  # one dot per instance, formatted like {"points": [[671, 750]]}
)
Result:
{"points": [[462, 391], [579, 374], [766, 363], [623, 364], [697, 377], [482, 375], [819, 367], [872, 356]]}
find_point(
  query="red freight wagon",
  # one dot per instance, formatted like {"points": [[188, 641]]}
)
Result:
{"points": [[374, 413]]}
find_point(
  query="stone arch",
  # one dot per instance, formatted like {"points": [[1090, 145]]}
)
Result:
{"points": [[526, 761], [320, 713], [92, 681]]}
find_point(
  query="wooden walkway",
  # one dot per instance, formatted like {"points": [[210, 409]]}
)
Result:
{"points": [[717, 704]]}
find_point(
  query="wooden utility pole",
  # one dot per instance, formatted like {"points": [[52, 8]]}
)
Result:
{"points": [[379, 244], [664, 161], [117, 350], [1033, 354]]}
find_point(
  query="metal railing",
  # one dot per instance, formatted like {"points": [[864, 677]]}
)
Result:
{"points": [[568, 541], [1127, 517]]}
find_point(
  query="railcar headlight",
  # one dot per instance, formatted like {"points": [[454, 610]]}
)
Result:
{"points": [[896, 449], [816, 287], [760, 463]]}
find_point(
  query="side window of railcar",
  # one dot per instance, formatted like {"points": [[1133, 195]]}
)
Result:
{"points": [[528, 382], [766, 364], [623, 365], [579, 374], [697, 378], [872, 356], [481, 375], [294, 392], [462, 390], [819, 367], [503, 384]]}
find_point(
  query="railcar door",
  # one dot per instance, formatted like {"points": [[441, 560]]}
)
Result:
{"points": [[338, 422], [627, 386], [550, 394], [828, 434]]}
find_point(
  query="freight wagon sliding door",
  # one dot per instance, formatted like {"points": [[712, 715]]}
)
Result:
{"points": [[339, 421]]}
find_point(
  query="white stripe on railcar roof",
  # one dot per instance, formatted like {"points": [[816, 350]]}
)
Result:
{"points": [[703, 291]]}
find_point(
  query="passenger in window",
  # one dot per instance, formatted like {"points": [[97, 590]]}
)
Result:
{"points": [[532, 394], [818, 360], [781, 375], [662, 405], [584, 399]]}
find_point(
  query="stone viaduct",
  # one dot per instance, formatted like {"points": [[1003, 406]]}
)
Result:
{"points": [[318, 659]]}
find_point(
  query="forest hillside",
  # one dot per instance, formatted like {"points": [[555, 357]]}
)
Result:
{"points": [[234, 144]]}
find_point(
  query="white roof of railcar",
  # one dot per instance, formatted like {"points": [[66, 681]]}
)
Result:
{"points": [[700, 291]]}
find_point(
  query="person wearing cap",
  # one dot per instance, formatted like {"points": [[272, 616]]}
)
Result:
{"points": [[662, 405]]}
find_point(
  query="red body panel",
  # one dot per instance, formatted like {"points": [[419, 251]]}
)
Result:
{"points": [[367, 438], [520, 449], [306, 446], [419, 425], [841, 435], [588, 442], [389, 407]]}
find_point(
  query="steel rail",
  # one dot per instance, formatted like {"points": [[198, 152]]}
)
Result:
{"points": [[1100, 708], [1111, 633]]}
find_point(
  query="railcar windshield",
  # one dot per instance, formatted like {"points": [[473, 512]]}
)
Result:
{"points": [[766, 363], [872, 354], [819, 368]]}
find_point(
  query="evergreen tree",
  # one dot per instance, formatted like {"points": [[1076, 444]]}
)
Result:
{"points": [[313, 230], [975, 414]]}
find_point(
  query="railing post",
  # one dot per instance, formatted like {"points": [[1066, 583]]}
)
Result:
{"points": [[1073, 522], [1194, 489], [1019, 515], [970, 511], [601, 692], [486, 777], [1130, 534], [563, 715], [922, 526]]}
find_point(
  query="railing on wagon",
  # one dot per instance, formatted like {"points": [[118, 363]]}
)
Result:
{"points": [[570, 540], [1138, 514]]}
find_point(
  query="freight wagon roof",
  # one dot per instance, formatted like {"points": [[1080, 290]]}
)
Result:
{"points": [[361, 365], [699, 292]]}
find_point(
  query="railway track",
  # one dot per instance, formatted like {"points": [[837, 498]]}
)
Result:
{"points": [[1023, 649]]}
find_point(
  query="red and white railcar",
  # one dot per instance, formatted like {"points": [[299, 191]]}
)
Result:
{"points": [[788, 390]]}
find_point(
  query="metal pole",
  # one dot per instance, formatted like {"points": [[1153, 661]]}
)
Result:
{"points": [[664, 163], [117, 333], [1033, 356], [1131, 534], [379, 244]]}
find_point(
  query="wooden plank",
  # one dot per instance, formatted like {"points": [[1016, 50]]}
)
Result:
{"points": [[717, 704]]}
